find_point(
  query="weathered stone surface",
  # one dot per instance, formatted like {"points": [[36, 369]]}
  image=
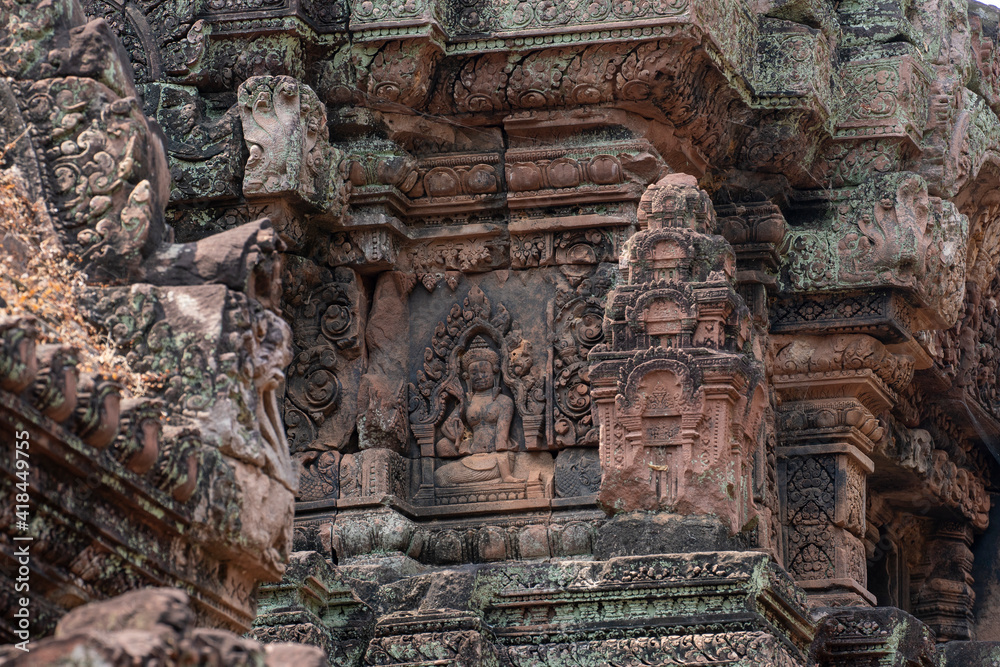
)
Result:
{"points": [[159, 611], [592, 326], [638, 534], [970, 653], [152, 626], [383, 424], [186, 479]]}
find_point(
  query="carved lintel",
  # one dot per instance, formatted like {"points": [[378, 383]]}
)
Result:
{"points": [[845, 421]]}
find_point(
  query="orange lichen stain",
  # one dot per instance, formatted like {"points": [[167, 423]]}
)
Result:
{"points": [[38, 278]]}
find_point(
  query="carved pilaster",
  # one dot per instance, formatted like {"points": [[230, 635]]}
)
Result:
{"points": [[831, 389], [945, 598]]}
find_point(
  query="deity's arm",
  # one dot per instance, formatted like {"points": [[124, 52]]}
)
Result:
{"points": [[503, 443], [452, 429]]}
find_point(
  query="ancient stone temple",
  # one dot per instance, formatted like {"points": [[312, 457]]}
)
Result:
{"points": [[501, 332]]}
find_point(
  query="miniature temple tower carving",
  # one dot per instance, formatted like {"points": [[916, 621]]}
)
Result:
{"points": [[678, 398]]}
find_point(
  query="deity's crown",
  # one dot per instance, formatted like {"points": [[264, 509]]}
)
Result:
{"points": [[479, 350]]}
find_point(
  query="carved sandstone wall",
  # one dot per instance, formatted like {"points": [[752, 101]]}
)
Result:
{"points": [[620, 332]]}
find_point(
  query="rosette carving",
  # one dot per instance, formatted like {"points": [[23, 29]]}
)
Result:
{"points": [[312, 383]]}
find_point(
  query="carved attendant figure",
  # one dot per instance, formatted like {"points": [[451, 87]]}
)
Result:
{"points": [[478, 429]]}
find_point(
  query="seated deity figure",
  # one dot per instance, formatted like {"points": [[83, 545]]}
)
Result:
{"points": [[478, 429]]}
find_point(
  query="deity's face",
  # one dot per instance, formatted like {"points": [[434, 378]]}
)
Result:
{"points": [[480, 376]]}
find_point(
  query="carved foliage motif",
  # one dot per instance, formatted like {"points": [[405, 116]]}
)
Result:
{"points": [[577, 327], [96, 144], [884, 97], [810, 507], [243, 5], [160, 39], [578, 472], [314, 392], [319, 407], [325, 14], [667, 650], [968, 352], [665, 71], [584, 247], [396, 73], [373, 247], [320, 476], [791, 61], [368, 11], [434, 261], [813, 354], [522, 14], [847, 163]]}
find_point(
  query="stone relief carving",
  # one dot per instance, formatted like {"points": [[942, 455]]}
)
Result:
{"points": [[509, 145], [201, 455], [674, 322], [479, 428], [477, 432], [204, 144], [329, 309], [285, 128], [577, 327], [905, 239]]}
